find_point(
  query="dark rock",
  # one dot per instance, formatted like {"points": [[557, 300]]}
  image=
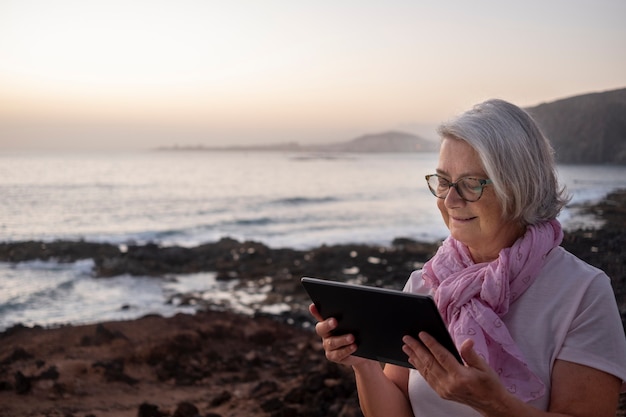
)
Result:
{"points": [[22, 383], [186, 409], [272, 405], [221, 398], [264, 388], [102, 336], [51, 373], [183, 359], [18, 354], [298, 395], [149, 410], [62, 251], [285, 412], [17, 328], [263, 337], [114, 371]]}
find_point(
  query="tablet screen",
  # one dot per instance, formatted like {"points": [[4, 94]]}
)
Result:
{"points": [[378, 317]]}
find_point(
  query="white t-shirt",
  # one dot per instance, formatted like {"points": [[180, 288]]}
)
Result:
{"points": [[568, 313]]}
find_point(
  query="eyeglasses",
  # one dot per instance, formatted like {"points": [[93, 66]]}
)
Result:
{"points": [[469, 189]]}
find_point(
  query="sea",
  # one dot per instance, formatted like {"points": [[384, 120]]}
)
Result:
{"points": [[186, 198]]}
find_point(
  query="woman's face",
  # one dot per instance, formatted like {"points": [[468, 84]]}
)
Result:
{"points": [[479, 224]]}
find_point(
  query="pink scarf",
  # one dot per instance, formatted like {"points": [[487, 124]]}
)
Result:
{"points": [[472, 297]]}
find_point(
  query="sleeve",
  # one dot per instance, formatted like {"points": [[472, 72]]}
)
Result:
{"points": [[416, 285], [596, 334]]}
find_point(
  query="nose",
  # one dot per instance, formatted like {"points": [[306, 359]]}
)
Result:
{"points": [[453, 199]]}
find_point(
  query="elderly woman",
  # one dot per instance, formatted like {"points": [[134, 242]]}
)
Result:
{"points": [[538, 329]]}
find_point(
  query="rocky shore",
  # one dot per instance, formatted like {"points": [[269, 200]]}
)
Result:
{"points": [[217, 363], [247, 264]]}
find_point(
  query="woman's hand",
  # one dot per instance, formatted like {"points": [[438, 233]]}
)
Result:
{"points": [[577, 390], [381, 392], [474, 384], [338, 348]]}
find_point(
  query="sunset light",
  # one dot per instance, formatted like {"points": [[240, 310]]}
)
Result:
{"points": [[246, 72]]}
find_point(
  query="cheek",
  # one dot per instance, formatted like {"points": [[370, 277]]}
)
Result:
{"points": [[442, 208]]}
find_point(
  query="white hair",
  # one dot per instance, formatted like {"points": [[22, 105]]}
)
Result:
{"points": [[516, 156]]}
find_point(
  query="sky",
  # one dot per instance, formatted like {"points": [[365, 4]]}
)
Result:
{"points": [[134, 74]]}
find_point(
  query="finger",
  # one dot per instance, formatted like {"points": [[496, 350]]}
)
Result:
{"points": [[471, 357], [336, 349], [443, 357], [415, 350], [338, 342], [315, 313], [419, 356], [414, 345], [324, 328]]}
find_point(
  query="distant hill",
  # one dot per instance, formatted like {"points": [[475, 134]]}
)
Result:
{"points": [[586, 129], [392, 141]]}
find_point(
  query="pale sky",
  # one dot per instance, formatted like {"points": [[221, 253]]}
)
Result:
{"points": [[140, 74]]}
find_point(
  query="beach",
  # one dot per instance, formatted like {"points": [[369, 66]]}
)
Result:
{"points": [[220, 363]]}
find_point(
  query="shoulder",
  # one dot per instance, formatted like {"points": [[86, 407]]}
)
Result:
{"points": [[559, 257], [565, 269], [566, 282]]}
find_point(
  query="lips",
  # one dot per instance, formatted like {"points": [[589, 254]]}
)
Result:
{"points": [[462, 219]]}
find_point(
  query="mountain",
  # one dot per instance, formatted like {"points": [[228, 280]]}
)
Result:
{"points": [[586, 129], [392, 141]]}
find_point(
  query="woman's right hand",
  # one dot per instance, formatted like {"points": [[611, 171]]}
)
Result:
{"points": [[338, 349], [382, 392]]}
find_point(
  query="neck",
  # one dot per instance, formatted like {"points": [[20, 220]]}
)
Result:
{"points": [[491, 252]]}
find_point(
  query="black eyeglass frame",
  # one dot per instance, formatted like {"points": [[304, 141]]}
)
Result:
{"points": [[482, 182]]}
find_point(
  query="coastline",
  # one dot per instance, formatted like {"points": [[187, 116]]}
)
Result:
{"points": [[218, 363]]}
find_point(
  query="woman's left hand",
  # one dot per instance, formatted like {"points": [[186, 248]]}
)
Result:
{"points": [[474, 383]]}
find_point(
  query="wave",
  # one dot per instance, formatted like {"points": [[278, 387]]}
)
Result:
{"points": [[258, 221], [83, 266], [296, 201], [41, 294]]}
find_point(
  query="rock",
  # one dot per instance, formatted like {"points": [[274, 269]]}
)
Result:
{"points": [[114, 371], [51, 373], [186, 409], [149, 410], [18, 354], [264, 388], [221, 398], [272, 405], [22, 383], [62, 251], [102, 336]]}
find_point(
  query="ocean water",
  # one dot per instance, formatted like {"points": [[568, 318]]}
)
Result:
{"points": [[188, 198]]}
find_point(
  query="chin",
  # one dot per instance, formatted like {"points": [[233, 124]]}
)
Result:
{"points": [[462, 237]]}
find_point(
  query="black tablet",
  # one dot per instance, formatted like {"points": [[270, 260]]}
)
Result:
{"points": [[378, 317]]}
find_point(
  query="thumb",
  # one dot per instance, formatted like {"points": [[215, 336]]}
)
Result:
{"points": [[471, 357]]}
